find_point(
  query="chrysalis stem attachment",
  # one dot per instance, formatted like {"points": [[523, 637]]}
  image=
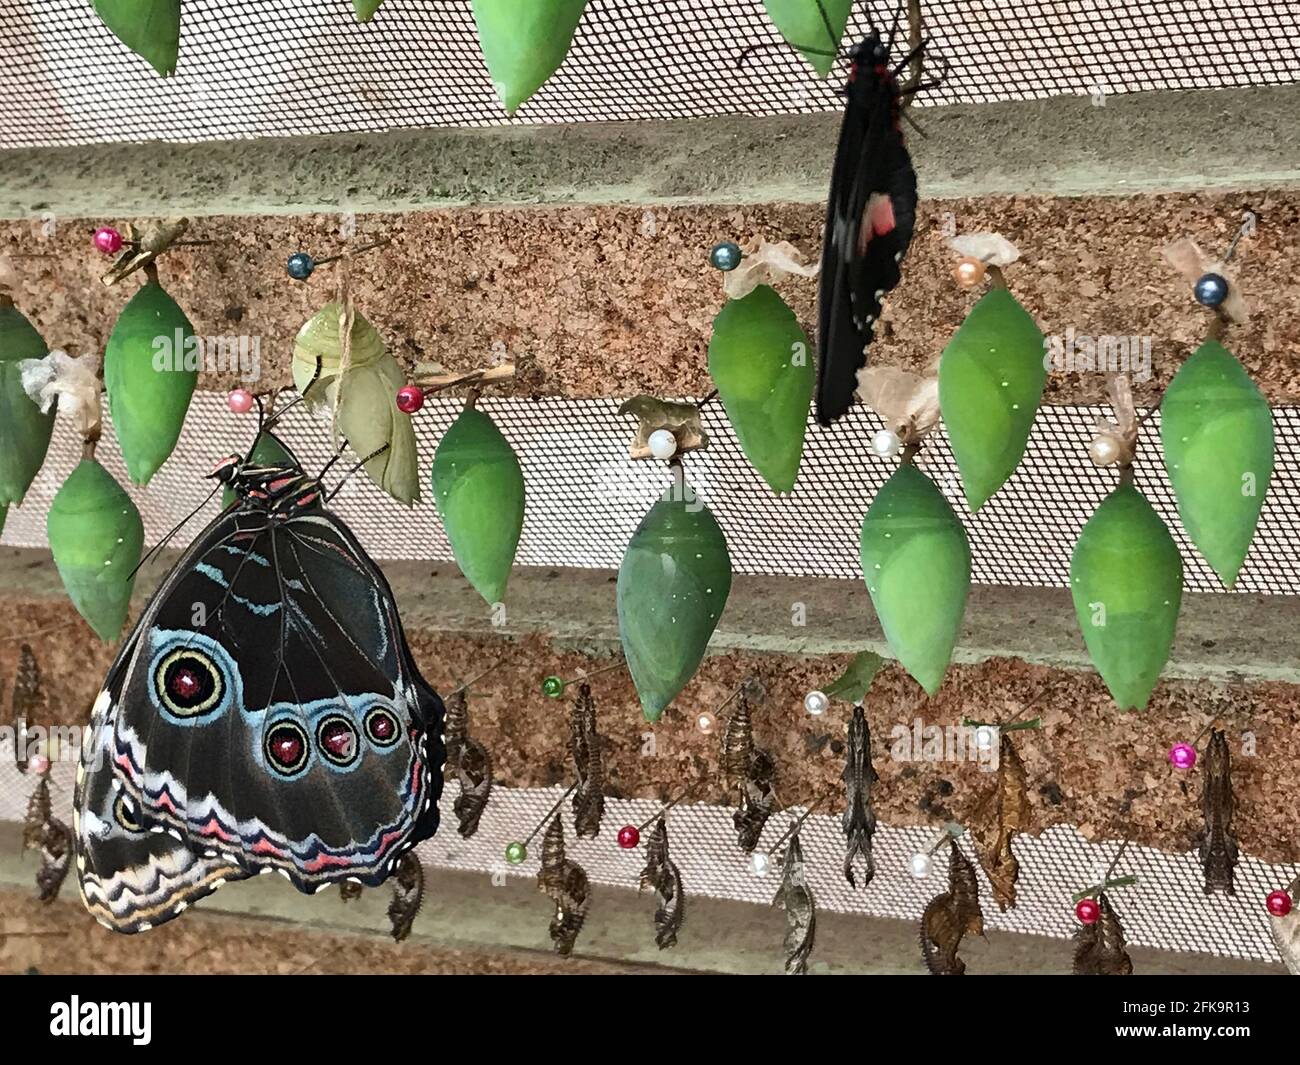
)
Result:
{"points": [[1097, 889], [487, 376], [354, 251], [477, 677], [685, 794], [1107, 882], [795, 826], [746, 683], [951, 831], [1010, 726], [997, 279], [142, 248], [550, 813], [553, 687], [1247, 227]]}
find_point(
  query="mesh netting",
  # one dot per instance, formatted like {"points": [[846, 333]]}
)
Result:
{"points": [[266, 68], [703, 843], [585, 496]]}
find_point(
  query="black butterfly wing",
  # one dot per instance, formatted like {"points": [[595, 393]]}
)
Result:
{"points": [[270, 714], [132, 878], [131, 875], [870, 218]]}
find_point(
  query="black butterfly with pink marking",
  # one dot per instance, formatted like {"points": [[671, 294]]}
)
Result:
{"points": [[265, 714], [870, 214]]}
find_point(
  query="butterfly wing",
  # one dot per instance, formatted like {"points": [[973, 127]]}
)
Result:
{"points": [[132, 877], [269, 715], [870, 218]]}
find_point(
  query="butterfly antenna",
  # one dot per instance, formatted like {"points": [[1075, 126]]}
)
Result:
{"points": [[330, 465], [174, 530], [893, 29], [343, 481], [302, 395], [871, 23]]}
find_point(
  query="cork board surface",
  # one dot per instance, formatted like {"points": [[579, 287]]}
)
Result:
{"points": [[604, 300], [1090, 765]]}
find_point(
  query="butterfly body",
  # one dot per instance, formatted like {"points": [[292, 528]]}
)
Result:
{"points": [[870, 217], [264, 715]]}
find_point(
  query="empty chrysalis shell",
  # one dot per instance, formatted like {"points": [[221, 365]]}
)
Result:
{"points": [[151, 366], [991, 380], [803, 27], [524, 42], [151, 30], [363, 400], [916, 562], [673, 584], [1217, 432], [760, 359], [479, 489], [1126, 577], [96, 536], [24, 430]]}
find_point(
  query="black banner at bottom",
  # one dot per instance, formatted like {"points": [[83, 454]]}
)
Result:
{"points": [[177, 1013]]}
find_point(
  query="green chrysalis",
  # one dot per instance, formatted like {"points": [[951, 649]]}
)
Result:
{"points": [[479, 489], [761, 361], [672, 587], [991, 380], [1126, 577], [802, 25], [150, 28], [524, 42], [916, 562], [96, 537], [150, 369], [24, 430], [1217, 432]]}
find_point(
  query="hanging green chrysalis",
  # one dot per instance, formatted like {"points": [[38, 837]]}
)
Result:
{"points": [[803, 27], [916, 562], [991, 380], [150, 369], [150, 28], [1126, 577], [672, 587], [760, 359], [365, 9], [524, 42], [1217, 432], [479, 489], [364, 400], [24, 430], [96, 536]]}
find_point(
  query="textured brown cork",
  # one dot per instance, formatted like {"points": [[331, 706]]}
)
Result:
{"points": [[597, 301], [1090, 765]]}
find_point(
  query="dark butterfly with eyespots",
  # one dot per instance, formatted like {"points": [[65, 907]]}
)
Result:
{"points": [[265, 714], [870, 217]]}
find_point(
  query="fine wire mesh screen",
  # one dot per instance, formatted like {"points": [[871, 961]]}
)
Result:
{"points": [[1164, 909], [585, 496], [273, 68]]}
